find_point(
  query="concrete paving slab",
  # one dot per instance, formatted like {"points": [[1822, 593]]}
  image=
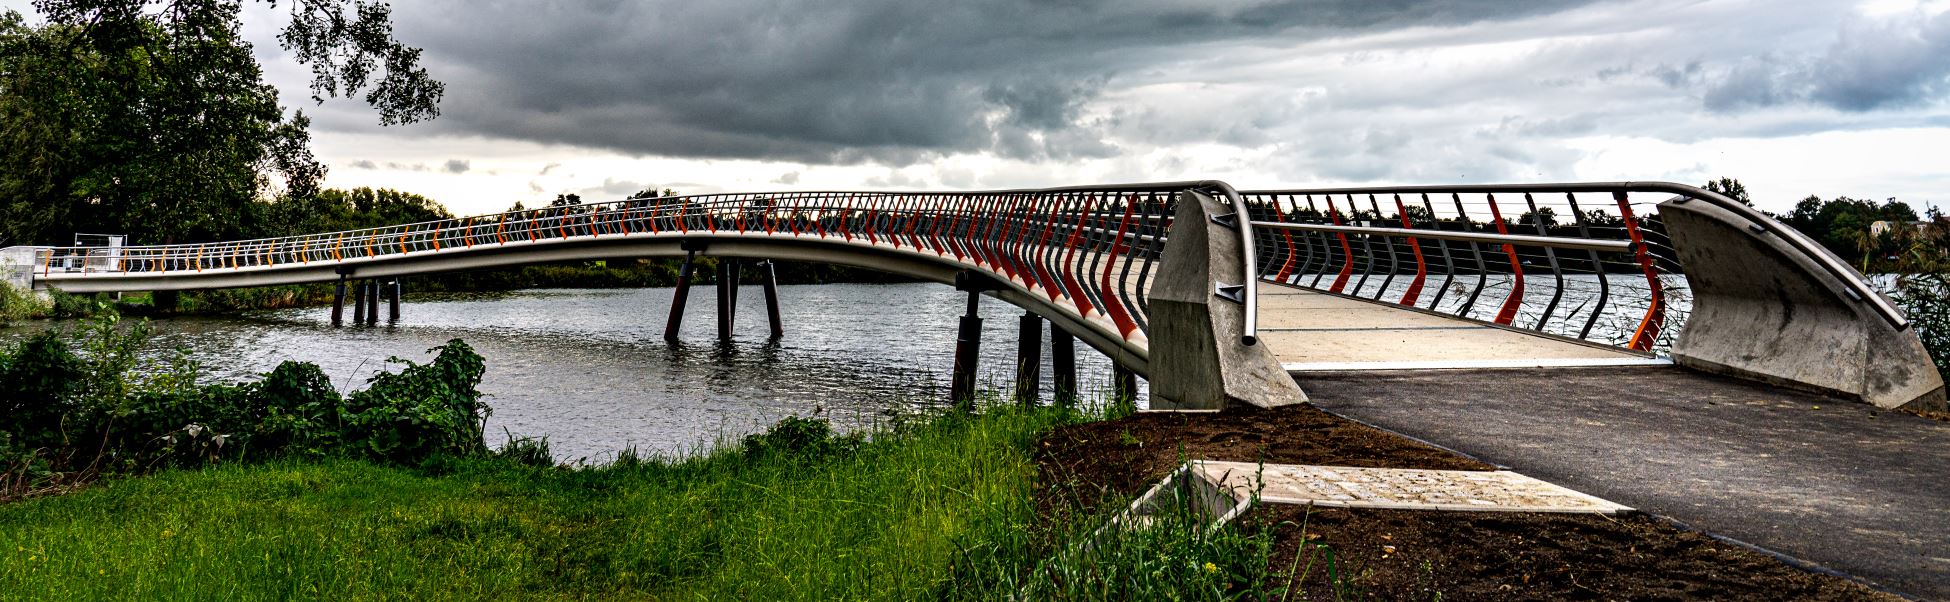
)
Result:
{"points": [[1399, 488], [1838, 484]]}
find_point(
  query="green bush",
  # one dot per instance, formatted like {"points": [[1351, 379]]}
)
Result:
{"points": [[17, 304], [803, 438], [82, 405]]}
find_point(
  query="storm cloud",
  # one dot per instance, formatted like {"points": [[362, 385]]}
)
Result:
{"points": [[890, 81]]}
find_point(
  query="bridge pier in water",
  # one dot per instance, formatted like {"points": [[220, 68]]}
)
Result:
{"points": [[1029, 358], [1063, 365], [338, 301], [359, 302], [679, 296], [772, 299], [372, 303], [727, 297], [392, 303], [968, 353]]}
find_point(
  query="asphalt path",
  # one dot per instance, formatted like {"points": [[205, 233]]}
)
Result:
{"points": [[1838, 485]]}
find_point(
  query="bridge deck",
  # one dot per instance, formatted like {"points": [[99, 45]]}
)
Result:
{"points": [[1312, 331], [1837, 483]]}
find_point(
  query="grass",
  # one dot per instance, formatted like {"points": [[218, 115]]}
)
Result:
{"points": [[882, 522], [941, 509]]}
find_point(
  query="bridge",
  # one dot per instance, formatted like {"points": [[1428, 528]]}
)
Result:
{"points": [[1214, 295], [1647, 342]]}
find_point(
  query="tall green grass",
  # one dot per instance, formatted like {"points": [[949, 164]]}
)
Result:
{"points": [[882, 521]]}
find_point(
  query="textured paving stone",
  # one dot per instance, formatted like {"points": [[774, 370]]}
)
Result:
{"points": [[1400, 488]]}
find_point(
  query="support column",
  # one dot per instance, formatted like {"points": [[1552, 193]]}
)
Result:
{"points": [[1124, 382], [393, 303], [1029, 359], [372, 303], [678, 297], [727, 297], [772, 299], [1063, 365], [359, 303], [338, 302], [968, 351]]}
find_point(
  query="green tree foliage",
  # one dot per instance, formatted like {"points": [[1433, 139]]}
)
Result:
{"points": [[1844, 225], [1732, 189], [151, 118], [334, 210], [71, 405]]}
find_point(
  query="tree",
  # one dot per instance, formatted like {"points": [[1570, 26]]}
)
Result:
{"points": [[566, 200], [151, 118], [1730, 188]]}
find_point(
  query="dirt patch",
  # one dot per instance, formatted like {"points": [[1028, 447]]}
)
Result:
{"points": [[1396, 554]]}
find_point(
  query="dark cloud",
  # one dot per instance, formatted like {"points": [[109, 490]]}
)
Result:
{"points": [[364, 164], [897, 81], [613, 189], [550, 167], [457, 166], [1872, 64], [406, 166]]}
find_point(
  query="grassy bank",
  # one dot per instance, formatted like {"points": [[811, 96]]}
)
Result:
{"points": [[941, 509]]}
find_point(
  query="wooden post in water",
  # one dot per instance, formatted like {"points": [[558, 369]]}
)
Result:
{"points": [[679, 296], [1124, 382], [338, 302], [968, 352], [359, 303], [1063, 365], [372, 304], [393, 303], [1029, 359], [772, 299], [727, 297]]}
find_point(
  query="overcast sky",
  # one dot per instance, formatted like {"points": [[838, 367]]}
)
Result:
{"points": [[605, 97]]}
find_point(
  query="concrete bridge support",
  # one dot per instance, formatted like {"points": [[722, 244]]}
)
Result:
{"points": [[393, 302], [1763, 310], [1198, 358]]}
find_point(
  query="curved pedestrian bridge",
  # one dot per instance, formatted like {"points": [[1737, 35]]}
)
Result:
{"points": [[1214, 295]]}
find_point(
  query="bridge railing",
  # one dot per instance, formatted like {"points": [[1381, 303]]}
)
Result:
{"points": [[1588, 261], [1091, 248]]}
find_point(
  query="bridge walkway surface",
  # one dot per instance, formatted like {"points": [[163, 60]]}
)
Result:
{"points": [[1840, 485], [1314, 331]]}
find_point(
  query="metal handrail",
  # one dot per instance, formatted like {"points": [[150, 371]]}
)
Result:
{"points": [[1856, 287], [1557, 242], [1066, 241]]}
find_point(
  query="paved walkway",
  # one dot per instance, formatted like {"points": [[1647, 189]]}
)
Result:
{"points": [[1838, 484], [1312, 331]]}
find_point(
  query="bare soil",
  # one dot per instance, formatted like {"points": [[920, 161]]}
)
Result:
{"points": [[1427, 555]]}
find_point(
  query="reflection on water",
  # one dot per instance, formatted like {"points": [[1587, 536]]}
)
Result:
{"points": [[589, 369]]}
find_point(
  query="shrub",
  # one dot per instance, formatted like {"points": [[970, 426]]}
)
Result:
{"points": [[805, 438]]}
